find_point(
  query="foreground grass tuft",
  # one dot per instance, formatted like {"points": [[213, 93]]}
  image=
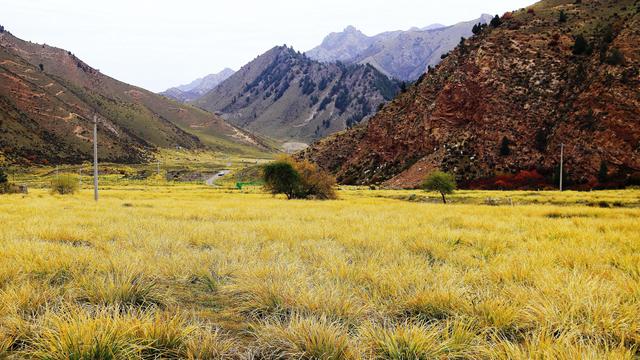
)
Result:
{"points": [[122, 287], [303, 338]]}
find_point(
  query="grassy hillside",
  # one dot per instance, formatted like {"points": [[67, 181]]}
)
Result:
{"points": [[48, 97], [235, 275]]}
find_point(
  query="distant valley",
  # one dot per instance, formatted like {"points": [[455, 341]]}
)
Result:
{"points": [[198, 87]]}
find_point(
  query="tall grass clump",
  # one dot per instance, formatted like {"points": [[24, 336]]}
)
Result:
{"points": [[419, 341], [77, 335], [303, 338], [111, 333], [210, 344], [123, 287], [65, 184]]}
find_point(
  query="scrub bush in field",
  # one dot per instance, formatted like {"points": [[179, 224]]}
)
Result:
{"points": [[298, 180], [281, 178], [64, 184]]}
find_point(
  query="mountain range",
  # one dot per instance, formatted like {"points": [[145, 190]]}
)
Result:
{"points": [[339, 84], [198, 87], [48, 98], [403, 55], [287, 96], [498, 109]]}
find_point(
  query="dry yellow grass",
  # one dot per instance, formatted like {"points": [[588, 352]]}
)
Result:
{"points": [[194, 272]]}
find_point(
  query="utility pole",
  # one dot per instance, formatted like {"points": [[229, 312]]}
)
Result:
{"points": [[561, 164], [95, 157]]}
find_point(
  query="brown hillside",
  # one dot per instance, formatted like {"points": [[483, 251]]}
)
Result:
{"points": [[520, 81], [48, 97]]}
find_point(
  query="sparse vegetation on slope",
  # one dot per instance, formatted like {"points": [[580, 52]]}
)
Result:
{"points": [[285, 95], [48, 98]]}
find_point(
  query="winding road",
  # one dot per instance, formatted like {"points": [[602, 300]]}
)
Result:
{"points": [[211, 181]]}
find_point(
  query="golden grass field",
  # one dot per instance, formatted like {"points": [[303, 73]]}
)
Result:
{"points": [[185, 271]]}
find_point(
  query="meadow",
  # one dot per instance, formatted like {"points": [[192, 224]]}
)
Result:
{"points": [[175, 271]]}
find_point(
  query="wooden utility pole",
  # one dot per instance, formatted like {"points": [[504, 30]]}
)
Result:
{"points": [[561, 164], [95, 157]]}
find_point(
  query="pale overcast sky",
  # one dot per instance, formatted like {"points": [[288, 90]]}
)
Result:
{"points": [[157, 44]]}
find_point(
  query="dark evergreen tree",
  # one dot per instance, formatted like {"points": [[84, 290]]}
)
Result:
{"points": [[615, 58], [3, 177], [563, 16], [603, 173], [41, 67], [462, 46], [541, 140], [505, 150], [581, 45], [496, 21]]}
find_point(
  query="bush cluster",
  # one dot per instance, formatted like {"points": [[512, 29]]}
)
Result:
{"points": [[64, 184], [298, 180], [5, 186]]}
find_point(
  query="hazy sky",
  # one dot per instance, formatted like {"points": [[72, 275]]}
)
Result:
{"points": [[157, 44]]}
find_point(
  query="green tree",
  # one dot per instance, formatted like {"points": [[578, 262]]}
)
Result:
{"points": [[603, 173], [299, 180], [441, 182], [281, 178], [41, 67], [3, 177]]}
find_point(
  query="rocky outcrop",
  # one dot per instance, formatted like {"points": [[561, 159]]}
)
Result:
{"points": [[500, 106]]}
